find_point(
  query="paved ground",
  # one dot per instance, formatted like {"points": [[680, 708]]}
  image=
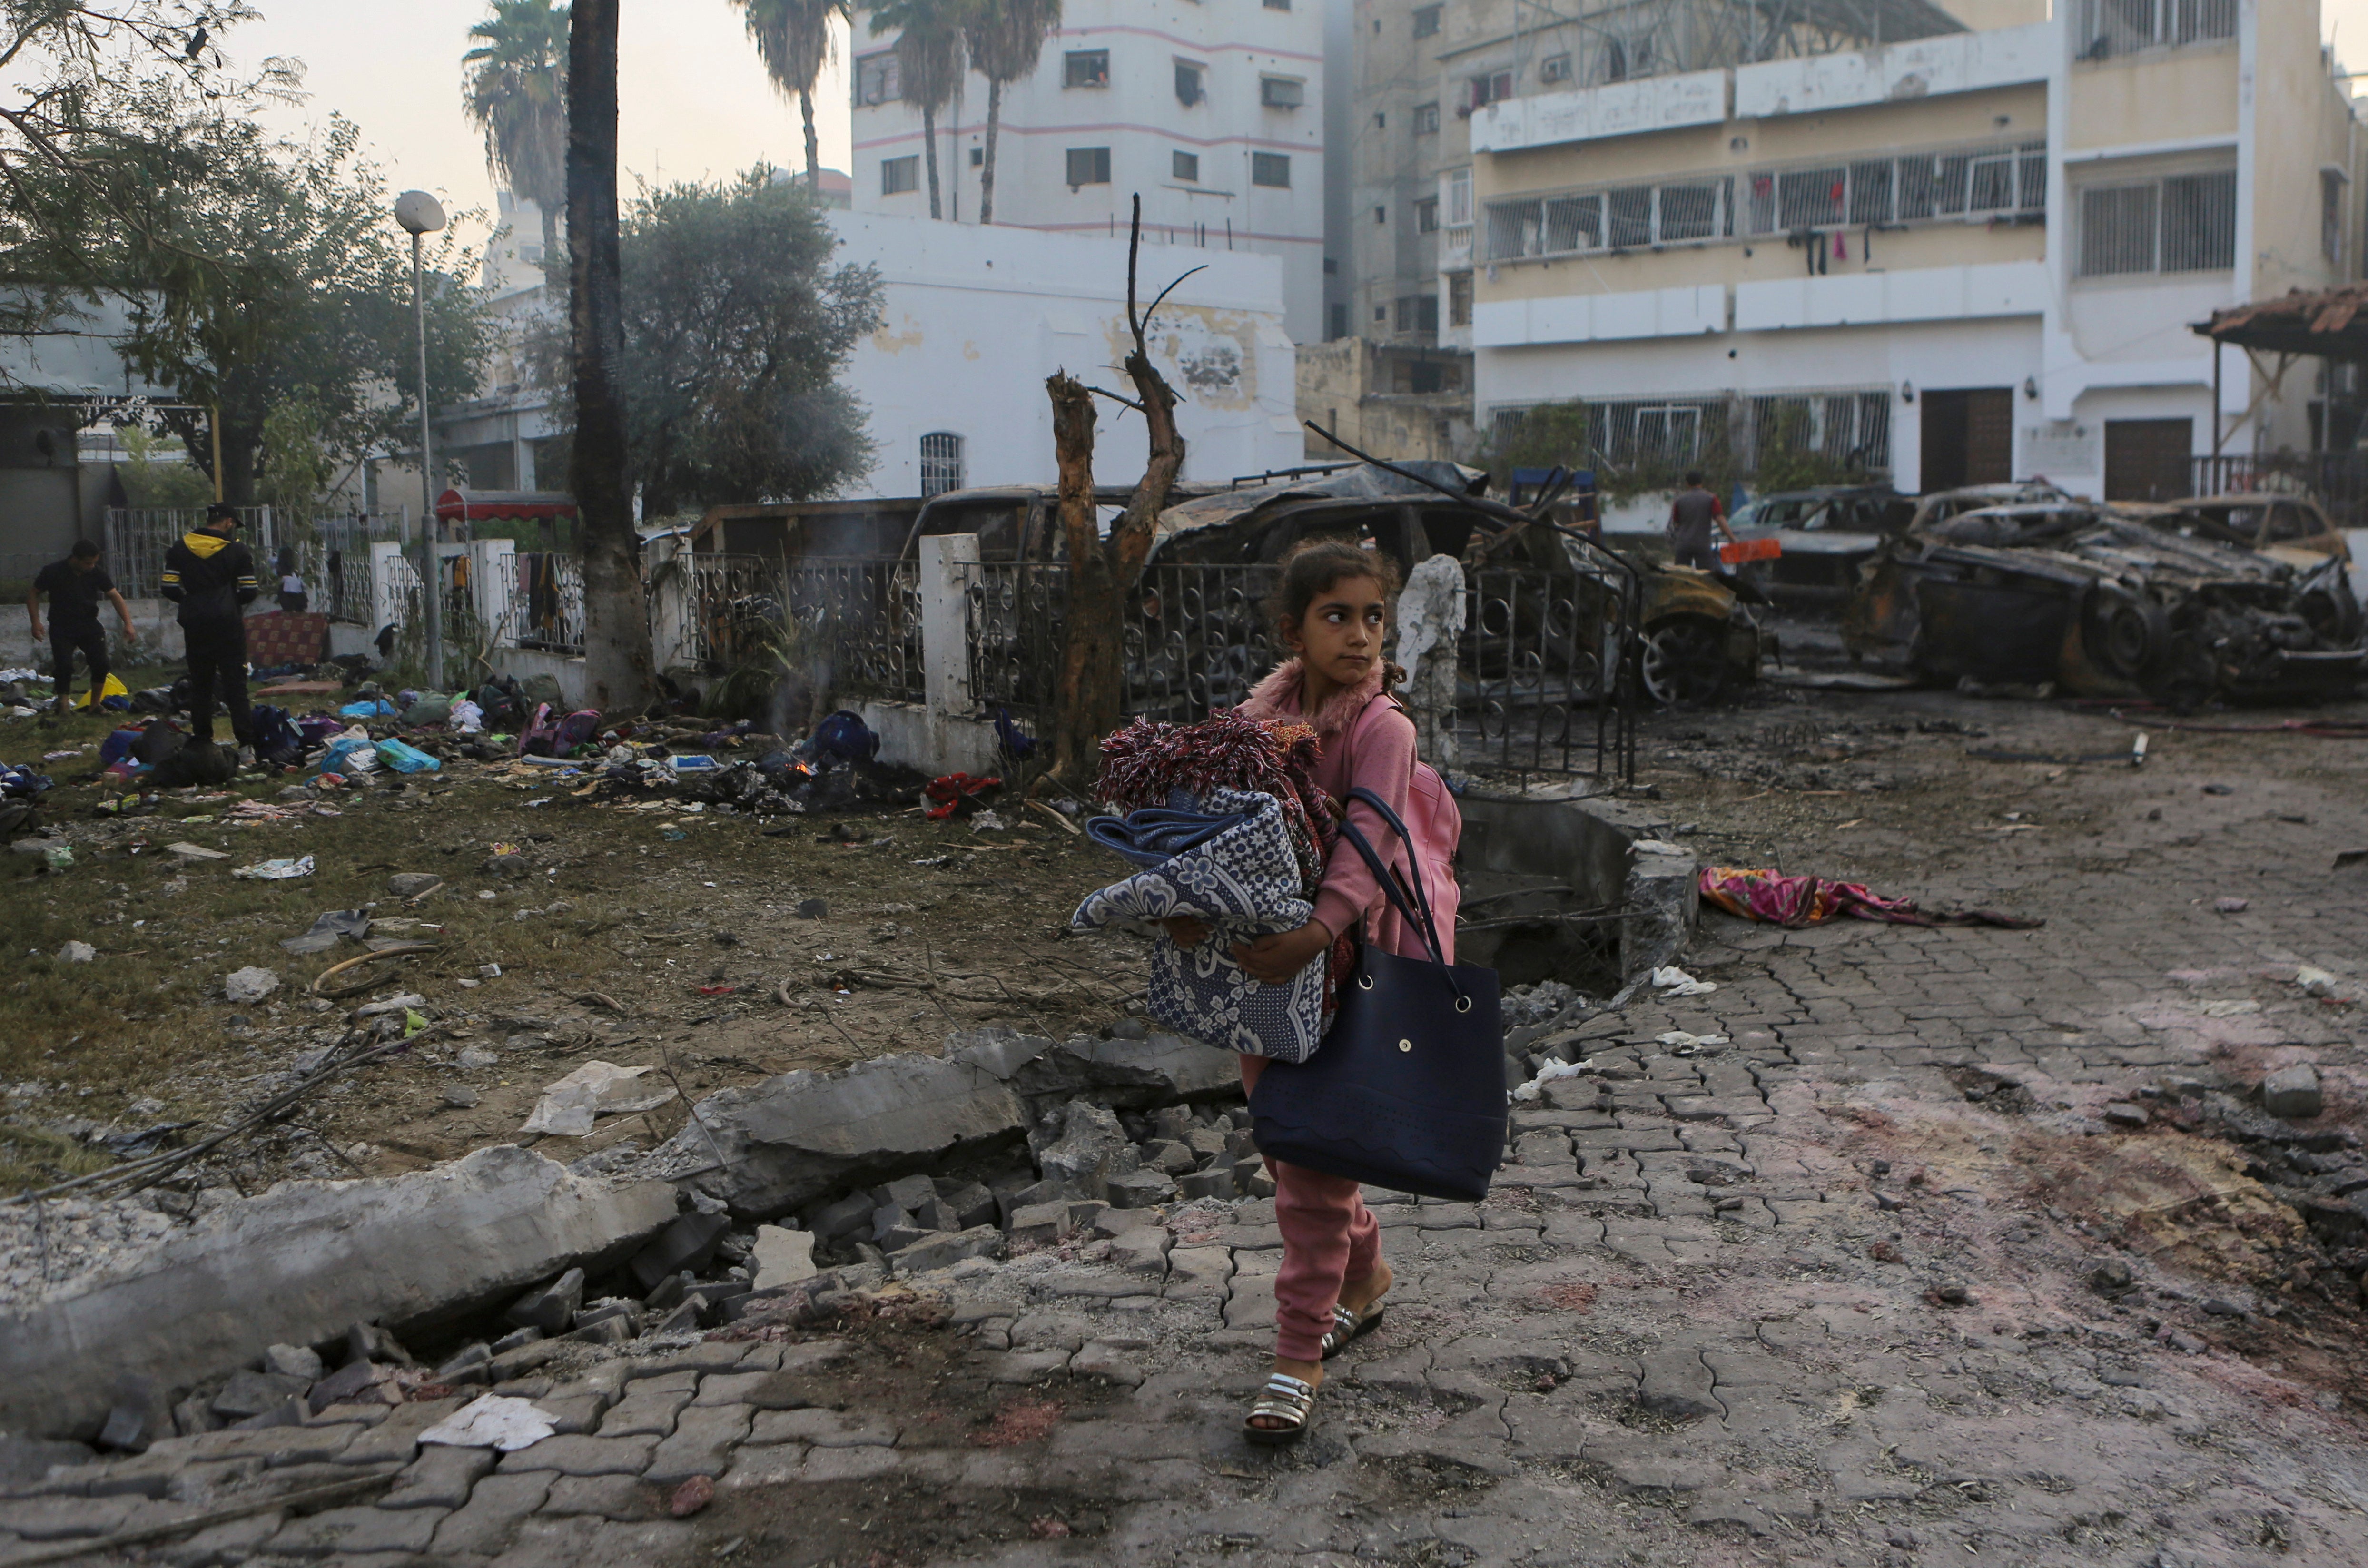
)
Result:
{"points": [[1700, 1321]]}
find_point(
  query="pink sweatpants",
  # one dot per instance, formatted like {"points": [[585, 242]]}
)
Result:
{"points": [[1328, 1238]]}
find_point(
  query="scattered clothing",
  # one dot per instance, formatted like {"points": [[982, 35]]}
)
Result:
{"points": [[1812, 901], [1152, 835], [958, 794]]}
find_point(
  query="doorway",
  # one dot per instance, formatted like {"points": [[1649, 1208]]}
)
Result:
{"points": [[2149, 459], [1968, 438]]}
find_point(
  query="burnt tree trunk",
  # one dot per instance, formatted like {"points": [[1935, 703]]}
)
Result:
{"points": [[617, 660], [1103, 572]]}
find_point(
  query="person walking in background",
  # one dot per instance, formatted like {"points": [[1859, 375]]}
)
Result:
{"points": [[292, 581], [1693, 512], [211, 577], [75, 585]]}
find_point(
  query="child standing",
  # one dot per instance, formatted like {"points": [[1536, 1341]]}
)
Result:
{"points": [[1332, 612]]}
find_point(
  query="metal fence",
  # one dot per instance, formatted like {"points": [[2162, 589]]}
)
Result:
{"points": [[548, 604], [331, 551], [864, 618], [1016, 612]]}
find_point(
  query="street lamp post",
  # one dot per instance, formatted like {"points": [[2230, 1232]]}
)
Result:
{"points": [[420, 214]]}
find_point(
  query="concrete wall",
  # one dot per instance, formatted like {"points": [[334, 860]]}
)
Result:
{"points": [[978, 318], [160, 635]]}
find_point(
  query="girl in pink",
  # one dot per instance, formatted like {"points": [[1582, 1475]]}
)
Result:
{"points": [[1332, 611]]}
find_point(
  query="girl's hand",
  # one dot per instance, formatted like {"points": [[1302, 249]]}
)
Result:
{"points": [[1186, 932], [1273, 959]]}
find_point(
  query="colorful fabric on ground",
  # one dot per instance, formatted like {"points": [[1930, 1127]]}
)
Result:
{"points": [[1812, 901]]}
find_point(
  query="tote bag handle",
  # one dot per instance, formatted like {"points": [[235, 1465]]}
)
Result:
{"points": [[1393, 887]]}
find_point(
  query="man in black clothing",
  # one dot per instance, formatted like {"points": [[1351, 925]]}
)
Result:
{"points": [[211, 577], [75, 585]]}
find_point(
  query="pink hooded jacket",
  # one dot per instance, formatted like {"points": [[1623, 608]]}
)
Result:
{"points": [[1368, 743]]}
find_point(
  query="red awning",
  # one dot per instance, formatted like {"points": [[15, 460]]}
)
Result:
{"points": [[467, 505]]}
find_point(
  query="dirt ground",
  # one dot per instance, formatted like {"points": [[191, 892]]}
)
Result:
{"points": [[724, 949]]}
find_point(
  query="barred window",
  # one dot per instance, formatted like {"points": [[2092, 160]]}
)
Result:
{"points": [[2109, 28], [1270, 169], [876, 80], [2177, 223], [900, 175], [2330, 213], [1988, 182], [1088, 166], [941, 462], [1626, 219]]}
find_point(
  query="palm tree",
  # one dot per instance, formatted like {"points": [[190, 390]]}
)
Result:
{"points": [[516, 89], [794, 37], [930, 64], [1006, 38]]}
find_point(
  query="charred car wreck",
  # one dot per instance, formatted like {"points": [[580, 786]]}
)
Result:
{"points": [[2102, 604]]}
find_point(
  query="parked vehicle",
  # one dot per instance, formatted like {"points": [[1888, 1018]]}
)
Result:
{"points": [[2099, 601], [1939, 506], [2293, 528], [1826, 536]]}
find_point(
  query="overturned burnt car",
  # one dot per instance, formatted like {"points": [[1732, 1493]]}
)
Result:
{"points": [[2102, 604]]}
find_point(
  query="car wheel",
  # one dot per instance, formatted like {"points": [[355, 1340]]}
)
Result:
{"points": [[1685, 660]]}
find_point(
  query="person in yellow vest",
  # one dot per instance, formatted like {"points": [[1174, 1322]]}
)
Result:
{"points": [[211, 577]]}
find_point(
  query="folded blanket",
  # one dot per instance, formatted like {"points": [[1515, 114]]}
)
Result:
{"points": [[1242, 881], [1156, 832]]}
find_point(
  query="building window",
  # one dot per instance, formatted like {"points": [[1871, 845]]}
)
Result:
{"points": [[1426, 216], [1086, 68], [2330, 214], [1088, 166], [1381, 214], [977, 156], [1191, 83], [1185, 166], [1555, 69], [1271, 169], [941, 462], [875, 77], [1417, 312], [1629, 218], [1426, 120], [1278, 4], [1281, 92], [2179, 223], [1459, 198], [1973, 183], [1459, 298], [1339, 324], [2109, 28], [1493, 88], [898, 175], [1426, 20]]}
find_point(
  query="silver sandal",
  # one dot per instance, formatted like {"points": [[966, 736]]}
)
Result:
{"points": [[1349, 1326], [1286, 1399]]}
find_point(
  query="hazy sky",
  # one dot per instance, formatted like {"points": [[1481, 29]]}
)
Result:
{"points": [[693, 100]]}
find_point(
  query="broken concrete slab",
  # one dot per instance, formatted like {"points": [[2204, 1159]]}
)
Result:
{"points": [[781, 1256], [791, 1139], [2292, 1094], [300, 1263]]}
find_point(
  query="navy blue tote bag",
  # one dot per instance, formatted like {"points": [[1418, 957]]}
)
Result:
{"points": [[1407, 1090]]}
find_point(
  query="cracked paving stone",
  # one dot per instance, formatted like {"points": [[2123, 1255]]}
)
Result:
{"points": [[440, 1478], [649, 1407], [350, 1532], [583, 1456], [618, 1497], [701, 1443], [492, 1515], [824, 1428], [765, 1465]]}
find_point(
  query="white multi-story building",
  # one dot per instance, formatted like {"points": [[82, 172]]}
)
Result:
{"points": [[1211, 110], [1970, 254]]}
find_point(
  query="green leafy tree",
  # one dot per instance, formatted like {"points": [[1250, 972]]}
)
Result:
{"points": [[158, 472], [794, 39], [930, 59], [103, 98], [1007, 39], [515, 89], [295, 467], [735, 328], [304, 296]]}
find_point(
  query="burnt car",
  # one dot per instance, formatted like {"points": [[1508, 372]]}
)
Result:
{"points": [[1541, 619], [2293, 528], [1937, 506], [2100, 602], [1826, 534]]}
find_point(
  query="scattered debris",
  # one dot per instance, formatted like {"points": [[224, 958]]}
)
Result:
{"points": [[250, 984], [1678, 982], [493, 1421], [276, 871], [598, 1088]]}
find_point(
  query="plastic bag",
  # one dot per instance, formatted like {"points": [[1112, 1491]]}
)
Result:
{"points": [[405, 758]]}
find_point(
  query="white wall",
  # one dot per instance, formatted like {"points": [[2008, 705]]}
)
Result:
{"points": [[1143, 122], [977, 318]]}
